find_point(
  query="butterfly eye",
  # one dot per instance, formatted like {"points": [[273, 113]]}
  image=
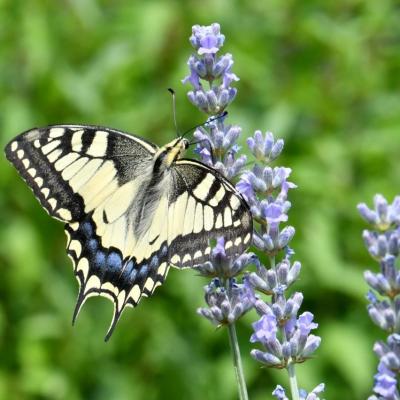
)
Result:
{"points": [[185, 143]]}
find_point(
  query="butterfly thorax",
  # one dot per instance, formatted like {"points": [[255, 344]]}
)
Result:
{"points": [[168, 154]]}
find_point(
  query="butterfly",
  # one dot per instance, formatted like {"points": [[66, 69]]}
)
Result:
{"points": [[131, 209]]}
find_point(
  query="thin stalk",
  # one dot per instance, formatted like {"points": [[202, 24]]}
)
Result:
{"points": [[237, 362], [237, 359], [293, 382]]}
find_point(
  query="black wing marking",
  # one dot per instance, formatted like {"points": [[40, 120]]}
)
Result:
{"points": [[204, 205]]}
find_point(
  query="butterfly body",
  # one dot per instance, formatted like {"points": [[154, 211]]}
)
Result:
{"points": [[131, 209]]}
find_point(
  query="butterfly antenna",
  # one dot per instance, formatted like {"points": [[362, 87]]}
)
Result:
{"points": [[217, 117], [174, 109]]}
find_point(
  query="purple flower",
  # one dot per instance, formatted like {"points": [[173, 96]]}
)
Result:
{"points": [[263, 181], [225, 306], [298, 344], [385, 383], [272, 281], [217, 147], [285, 337], [383, 244], [265, 329], [313, 395], [265, 148], [216, 71], [207, 39], [279, 393], [223, 266], [384, 215]]}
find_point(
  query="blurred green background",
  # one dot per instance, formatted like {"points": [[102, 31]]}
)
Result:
{"points": [[323, 75]]}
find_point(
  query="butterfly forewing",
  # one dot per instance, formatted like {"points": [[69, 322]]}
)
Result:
{"points": [[67, 166], [126, 224]]}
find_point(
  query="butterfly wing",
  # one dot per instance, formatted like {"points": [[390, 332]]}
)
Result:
{"points": [[89, 177], [71, 168], [204, 205]]}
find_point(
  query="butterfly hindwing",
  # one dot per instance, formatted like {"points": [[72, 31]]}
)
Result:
{"points": [[105, 271], [204, 206]]}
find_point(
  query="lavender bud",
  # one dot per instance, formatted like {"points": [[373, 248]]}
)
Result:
{"points": [[286, 351], [200, 100], [294, 272], [213, 107], [279, 393], [265, 358], [285, 236], [283, 271], [262, 308], [312, 344]]}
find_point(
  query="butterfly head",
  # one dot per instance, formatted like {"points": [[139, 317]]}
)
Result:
{"points": [[171, 152]]}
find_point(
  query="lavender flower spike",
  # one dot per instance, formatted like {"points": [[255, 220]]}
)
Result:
{"points": [[206, 65], [284, 336], [384, 310], [211, 78]]}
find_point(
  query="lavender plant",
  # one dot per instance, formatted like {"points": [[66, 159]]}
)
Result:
{"points": [[383, 244], [211, 78], [284, 335]]}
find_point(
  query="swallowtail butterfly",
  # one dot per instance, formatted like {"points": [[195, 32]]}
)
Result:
{"points": [[130, 208]]}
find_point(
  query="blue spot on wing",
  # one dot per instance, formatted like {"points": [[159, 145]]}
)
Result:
{"points": [[92, 245], [87, 230], [154, 263], [163, 252], [114, 261], [142, 273], [100, 260]]}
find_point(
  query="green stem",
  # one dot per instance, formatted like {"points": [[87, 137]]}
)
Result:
{"points": [[293, 381], [237, 362]]}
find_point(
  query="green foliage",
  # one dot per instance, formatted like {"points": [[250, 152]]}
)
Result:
{"points": [[323, 75]]}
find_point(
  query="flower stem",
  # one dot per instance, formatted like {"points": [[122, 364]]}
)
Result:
{"points": [[237, 362], [293, 381]]}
